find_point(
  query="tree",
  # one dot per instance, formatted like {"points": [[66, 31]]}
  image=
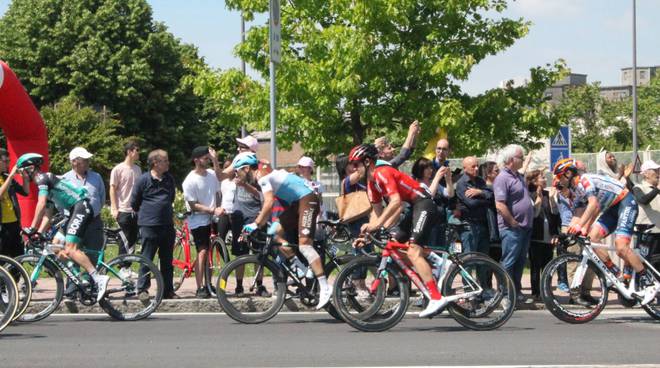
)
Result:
{"points": [[70, 125], [108, 53], [353, 70]]}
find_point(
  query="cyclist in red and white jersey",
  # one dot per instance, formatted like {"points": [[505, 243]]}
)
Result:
{"points": [[386, 182], [614, 210]]}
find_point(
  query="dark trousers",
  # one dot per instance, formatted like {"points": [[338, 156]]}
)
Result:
{"points": [[127, 222], [158, 239], [540, 254], [10, 240], [223, 226]]}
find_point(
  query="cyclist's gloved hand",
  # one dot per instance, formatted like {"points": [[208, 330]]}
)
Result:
{"points": [[249, 228], [29, 231]]}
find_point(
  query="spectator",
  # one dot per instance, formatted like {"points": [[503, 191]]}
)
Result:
{"points": [[606, 164], [228, 190], [386, 151], [247, 143], [11, 244], [489, 171], [200, 191], [474, 197], [122, 179], [441, 154], [647, 195], [515, 213], [546, 225], [152, 199], [446, 205], [422, 171]]}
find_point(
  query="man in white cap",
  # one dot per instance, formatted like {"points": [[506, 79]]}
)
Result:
{"points": [[81, 175], [647, 195], [247, 143]]}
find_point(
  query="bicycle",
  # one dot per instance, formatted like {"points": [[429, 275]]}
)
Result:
{"points": [[22, 280], [184, 265], [587, 261], [471, 304], [8, 298], [267, 269], [135, 289]]}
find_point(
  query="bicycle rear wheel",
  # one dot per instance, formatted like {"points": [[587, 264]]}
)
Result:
{"points": [[488, 309], [218, 258], [135, 289], [23, 284], [653, 308], [362, 301], [251, 290], [8, 298], [561, 303], [47, 287]]}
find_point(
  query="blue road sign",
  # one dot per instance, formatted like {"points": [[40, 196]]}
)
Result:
{"points": [[560, 145]]}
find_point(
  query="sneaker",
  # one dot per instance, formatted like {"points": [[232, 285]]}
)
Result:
{"points": [[649, 293], [262, 292], [101, 285], [171, 295], [144, 296], [363, 294], [488, 294], [324, 297], [563, 287], [239, 290], [127, 273], [202, 293], [435, 306]]}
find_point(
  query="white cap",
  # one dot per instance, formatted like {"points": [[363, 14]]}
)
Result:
{"points": [[249, 141], [649, 165], [79, 152], [306, 162]]}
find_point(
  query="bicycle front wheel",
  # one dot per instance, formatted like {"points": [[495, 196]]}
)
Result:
{"points": [[489, 292], [180, 264], [360, 295], [251, 290], [218, 258], [23, 284], [8, 298], [135, 289], [569, 304], [47, 287]]}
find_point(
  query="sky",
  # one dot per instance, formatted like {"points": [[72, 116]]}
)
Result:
{"points": [[594, 37]]}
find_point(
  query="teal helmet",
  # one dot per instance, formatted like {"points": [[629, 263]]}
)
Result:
{"points": [[244, 159], [29, 159]]}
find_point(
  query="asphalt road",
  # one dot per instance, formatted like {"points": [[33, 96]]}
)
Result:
{"points": [[529, 338]]}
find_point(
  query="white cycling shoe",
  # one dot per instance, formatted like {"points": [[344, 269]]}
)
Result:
{"points": [[101, 286], [324, 297], [434, 306], [650, 292]]}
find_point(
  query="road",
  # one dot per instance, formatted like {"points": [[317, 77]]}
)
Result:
{"points": [[313, 339]]}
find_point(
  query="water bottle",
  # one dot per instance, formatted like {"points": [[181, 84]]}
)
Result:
{"points": [[309, 274], [298, 267], [627, 273], [436, 264]]}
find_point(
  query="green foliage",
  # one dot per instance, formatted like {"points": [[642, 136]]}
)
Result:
{"points": [[70, 125], [108, 53], [353, 70], [597, 123]]}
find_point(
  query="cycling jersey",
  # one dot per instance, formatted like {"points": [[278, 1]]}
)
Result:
{"points": [[388, 181], [287, 187], [607, 190], [61, 192]]}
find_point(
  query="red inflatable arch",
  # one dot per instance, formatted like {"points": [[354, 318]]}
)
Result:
{"points": [[24, 129]]}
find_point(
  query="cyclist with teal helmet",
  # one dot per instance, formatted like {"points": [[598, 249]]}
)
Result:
{"points": [[73, 202]]}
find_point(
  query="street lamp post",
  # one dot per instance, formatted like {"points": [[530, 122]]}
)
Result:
{"points": [[243, 131], [634, 83]]}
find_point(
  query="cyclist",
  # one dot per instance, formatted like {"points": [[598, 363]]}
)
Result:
{"points": [[613, 209], [384, 181], [296, 221], [73, 202]]}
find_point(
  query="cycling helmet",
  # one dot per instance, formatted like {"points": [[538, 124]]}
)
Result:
{"points": [[244, 159], [362, 151], [29, 159], [564, 165]]}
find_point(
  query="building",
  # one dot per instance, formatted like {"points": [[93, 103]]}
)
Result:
{"points": [[644, 75], [285, 159], [616, 93]]}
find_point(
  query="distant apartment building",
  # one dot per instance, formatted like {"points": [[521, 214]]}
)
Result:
{"points": [[644, 75]]}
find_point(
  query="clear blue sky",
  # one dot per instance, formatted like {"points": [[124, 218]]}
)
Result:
{"points": [[593, 36]]}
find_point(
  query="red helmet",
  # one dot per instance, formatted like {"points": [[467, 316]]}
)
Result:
{"points": [[362, 151], [564, 165]]}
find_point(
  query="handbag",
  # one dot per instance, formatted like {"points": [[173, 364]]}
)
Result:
{"points": [[493, 229], [352, 206]]}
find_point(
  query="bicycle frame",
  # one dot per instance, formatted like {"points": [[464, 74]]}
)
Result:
{"points": [[588, 254], [184, 236]]}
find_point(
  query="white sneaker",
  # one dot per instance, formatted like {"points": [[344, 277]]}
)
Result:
{"points": [[127, 273], [324, 297], [650, 292], [434, 306], [101, 286]]}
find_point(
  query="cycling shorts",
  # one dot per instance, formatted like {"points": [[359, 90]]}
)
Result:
{"points": [[79, 218], [417, 222], [620, 218], [298, 219]]}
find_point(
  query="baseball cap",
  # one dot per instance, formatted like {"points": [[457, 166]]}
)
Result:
{"points": [[649, 165], [249, 141], [199, 152], [306, 162], [79, 152]]}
